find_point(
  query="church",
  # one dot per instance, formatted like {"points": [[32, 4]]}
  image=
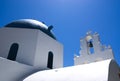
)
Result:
{"points": [[30, 52]]}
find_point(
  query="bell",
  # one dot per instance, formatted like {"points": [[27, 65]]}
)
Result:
{"points": [[90, 44]]}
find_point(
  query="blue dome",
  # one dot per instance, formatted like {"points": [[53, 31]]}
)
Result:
{"points": [[31, 24]]}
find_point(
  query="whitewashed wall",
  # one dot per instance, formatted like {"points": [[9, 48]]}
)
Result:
{"points": [[34, 46], [14, 71], [26, 39], [45, 44]]}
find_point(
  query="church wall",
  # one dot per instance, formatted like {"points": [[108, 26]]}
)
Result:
{"points": [[46, 44], [14, 71], [25, 38]]}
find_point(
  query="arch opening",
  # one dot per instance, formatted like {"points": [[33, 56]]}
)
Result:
{"points": [[13, 52]]}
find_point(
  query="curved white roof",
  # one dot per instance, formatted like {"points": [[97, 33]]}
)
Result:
{"points": [[97, 71]]}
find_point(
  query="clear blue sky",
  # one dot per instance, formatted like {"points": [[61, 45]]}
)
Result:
{"points": [[71, 20]]}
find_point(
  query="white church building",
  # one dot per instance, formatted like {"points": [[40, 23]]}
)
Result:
{"points": [[29, 51]]}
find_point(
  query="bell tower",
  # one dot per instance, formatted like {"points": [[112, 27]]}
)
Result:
{"points": [[92, 50]]}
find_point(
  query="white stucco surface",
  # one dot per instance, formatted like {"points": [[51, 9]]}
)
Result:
{"points": [[97, 71], [25, 38], [34, 46], [44, 45], [14, 71]]}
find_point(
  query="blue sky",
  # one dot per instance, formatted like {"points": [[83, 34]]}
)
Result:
{"points": [[71, 20]]}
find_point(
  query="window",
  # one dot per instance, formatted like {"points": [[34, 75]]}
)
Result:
{"points": [[13, 52], [50, 60]]}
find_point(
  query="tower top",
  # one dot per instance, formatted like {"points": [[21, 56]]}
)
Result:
{"points": [[92, 50]]}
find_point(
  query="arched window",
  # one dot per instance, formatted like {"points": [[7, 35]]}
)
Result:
{"points": [[50, 60], [13, 52]]}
